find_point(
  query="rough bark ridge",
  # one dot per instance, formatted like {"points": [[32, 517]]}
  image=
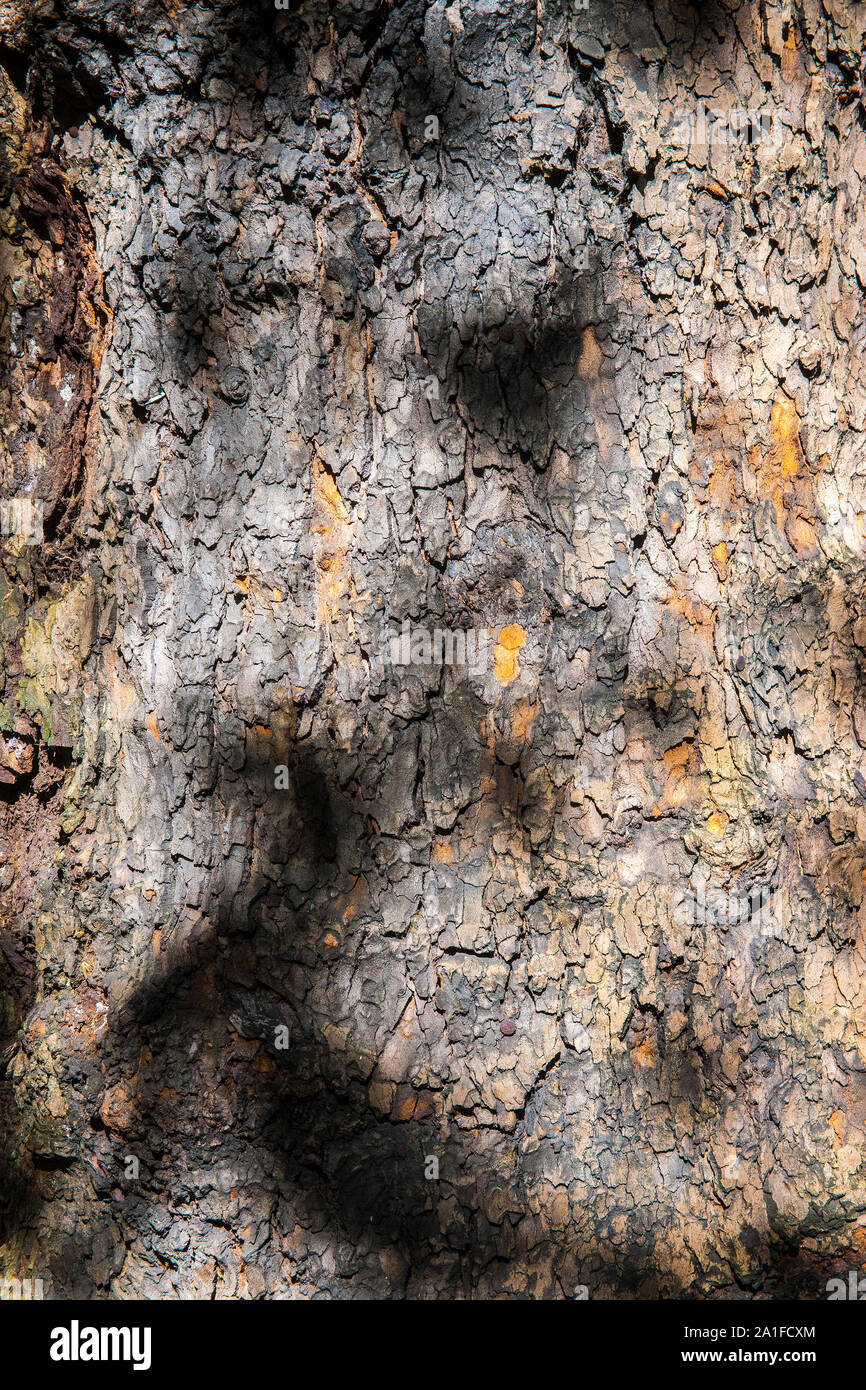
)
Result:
{"points": [[320, 320]]}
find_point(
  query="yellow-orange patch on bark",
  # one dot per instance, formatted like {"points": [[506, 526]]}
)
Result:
{"points": [[509, 642], [785, 432], [697, 614], [332, 527], [783, 477]]}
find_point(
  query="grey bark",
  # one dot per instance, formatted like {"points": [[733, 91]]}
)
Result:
{"points": [[536, 971]]}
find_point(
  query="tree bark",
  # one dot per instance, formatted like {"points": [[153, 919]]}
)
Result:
{"points": [[431, 741]]}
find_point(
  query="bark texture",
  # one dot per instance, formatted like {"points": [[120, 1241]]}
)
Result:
{"points": [[328, 974]]}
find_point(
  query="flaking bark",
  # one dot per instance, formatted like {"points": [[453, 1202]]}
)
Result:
{"points": [[324, 320]]}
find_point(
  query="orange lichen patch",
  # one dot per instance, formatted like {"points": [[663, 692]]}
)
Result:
{"points": [[717, 822], [783, 477], [443, 852], [509, 642], [785, 431], [330, 942], [681, 774], [523, 717], [332, 527], [837, 1124], [152, 727], [720, 558], [332, 509]]}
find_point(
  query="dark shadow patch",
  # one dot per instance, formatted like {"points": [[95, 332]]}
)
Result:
{"points": [[501, 365]]}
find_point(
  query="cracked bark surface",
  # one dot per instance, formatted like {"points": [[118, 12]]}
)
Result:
{"points": [[319, 319]]}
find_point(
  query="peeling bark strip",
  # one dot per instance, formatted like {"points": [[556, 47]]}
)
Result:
{"points": [[343, 960], [59, 332], [68, 342]]}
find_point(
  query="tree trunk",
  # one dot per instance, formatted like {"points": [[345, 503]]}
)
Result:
{"points": [[431, 741]]}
